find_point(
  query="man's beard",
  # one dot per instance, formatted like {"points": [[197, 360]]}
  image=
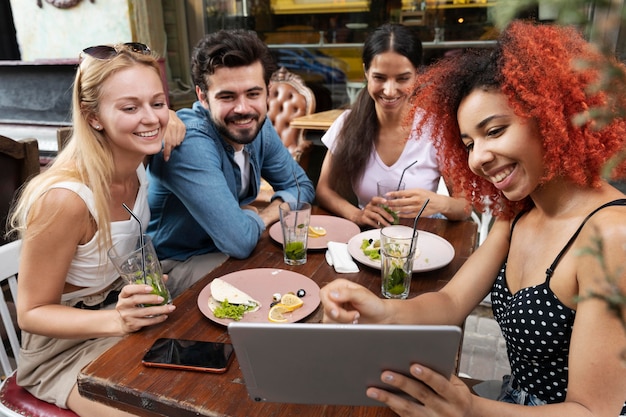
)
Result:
{"points": [[239, 136]]}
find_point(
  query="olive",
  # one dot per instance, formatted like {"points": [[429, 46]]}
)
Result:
{"points": [[301, 293], [274, 303]]}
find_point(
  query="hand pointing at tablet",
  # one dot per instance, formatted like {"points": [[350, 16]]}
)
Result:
{"points": [[347, 302]]}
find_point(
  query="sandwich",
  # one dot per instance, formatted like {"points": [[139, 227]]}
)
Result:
{"points": [[228, 301]]}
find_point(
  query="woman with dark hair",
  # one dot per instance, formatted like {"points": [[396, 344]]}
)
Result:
{"points": [[373, 142], [513, 124]]}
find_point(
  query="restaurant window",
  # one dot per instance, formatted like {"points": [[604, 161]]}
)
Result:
{"points": [[321, 40]]}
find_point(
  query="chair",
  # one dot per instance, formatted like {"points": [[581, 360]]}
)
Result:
{"points": [[19, 161], [483, 222], [15, 401], [353, 88], [288, 98], [63, 136]]}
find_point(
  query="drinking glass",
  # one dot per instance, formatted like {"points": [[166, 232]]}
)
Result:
{"points": [[136, 261], [385, 186], [396, 256], [294, 222]]}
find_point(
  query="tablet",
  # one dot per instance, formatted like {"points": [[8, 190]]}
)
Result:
{"points": [[315, 363]]}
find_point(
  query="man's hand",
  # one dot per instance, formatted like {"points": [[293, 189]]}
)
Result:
{"points": [[174, 135], [270, 214]]}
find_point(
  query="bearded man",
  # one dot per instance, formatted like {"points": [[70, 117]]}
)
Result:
{"points": [[200, 200]]}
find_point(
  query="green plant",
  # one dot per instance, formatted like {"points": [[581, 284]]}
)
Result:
{"points": [[612, 294]]}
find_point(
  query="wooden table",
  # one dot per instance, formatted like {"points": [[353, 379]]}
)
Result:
{"points": [[316, 121], [119, 379]]}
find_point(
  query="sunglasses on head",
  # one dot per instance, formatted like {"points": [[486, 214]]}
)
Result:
{"points": [[108, 52]]}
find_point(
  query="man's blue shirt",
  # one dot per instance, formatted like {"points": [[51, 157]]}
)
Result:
{"points": [[194, 197]]}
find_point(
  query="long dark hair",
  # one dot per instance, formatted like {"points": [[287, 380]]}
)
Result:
{"points": [[356, 138]]}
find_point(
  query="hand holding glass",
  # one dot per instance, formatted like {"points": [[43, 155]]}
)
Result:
{"points": [[386, 186], [294, 221], [139, 264], [396, 256]]}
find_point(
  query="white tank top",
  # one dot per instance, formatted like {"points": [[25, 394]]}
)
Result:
{"points": [[90, 267]]}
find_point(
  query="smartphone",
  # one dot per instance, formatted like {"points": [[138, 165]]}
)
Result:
{"points": [[190, 355]]}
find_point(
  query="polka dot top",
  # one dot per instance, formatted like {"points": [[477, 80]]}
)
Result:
{"points": [[537, 328]]}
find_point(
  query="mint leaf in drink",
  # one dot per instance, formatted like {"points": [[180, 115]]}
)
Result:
{"points": [[295, 251], [395, 285]]}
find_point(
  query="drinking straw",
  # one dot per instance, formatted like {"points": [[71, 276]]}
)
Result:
{"points": [[402, 175], [141, 242], [295, 177], [415, 225]]}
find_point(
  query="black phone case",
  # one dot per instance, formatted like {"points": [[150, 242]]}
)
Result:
{"points": [[162, 350]]}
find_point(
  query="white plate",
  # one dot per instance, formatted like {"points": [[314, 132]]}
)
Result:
{"points": [[435, 251]]}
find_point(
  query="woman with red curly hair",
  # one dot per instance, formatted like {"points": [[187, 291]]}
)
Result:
{"points": [[512, 125]]}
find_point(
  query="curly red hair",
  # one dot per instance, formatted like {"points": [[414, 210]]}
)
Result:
{"points": [[538, 68]]}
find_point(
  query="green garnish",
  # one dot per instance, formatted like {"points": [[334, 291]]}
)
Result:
{"points": [[371, 249], [157, 285], [295, 251], [395, 284], [396, 219], [227, 310]]}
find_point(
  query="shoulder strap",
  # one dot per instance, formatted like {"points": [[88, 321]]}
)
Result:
{"points": [[550, 270], [83, 192], [517, 217]]}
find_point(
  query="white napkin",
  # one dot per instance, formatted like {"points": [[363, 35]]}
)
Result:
{"points": [[338, 257]]}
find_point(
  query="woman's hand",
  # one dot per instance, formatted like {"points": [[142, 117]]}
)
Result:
{"points": [[347, 302], [174, 134], [132, 316], [434, 394], [408, 203], [374, 215]]}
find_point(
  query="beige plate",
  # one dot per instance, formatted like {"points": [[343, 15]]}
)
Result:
{"points": [[261, 284], [338, 229]]}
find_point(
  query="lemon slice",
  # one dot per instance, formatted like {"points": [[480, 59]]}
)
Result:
{"points": [[316, 231], [291, 302], [276, 314]]}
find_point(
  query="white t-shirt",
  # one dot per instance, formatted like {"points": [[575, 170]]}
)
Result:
{"points": [[424, 174], [242, 159]]}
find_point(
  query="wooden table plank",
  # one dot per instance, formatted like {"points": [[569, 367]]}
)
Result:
{"points": [[119, 379], [316, 121]]}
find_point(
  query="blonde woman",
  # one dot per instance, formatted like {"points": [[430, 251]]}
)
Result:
{"points": [[72, 305]]}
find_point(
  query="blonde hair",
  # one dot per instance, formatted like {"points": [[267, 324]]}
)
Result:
{"points": [[87, 157]]}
